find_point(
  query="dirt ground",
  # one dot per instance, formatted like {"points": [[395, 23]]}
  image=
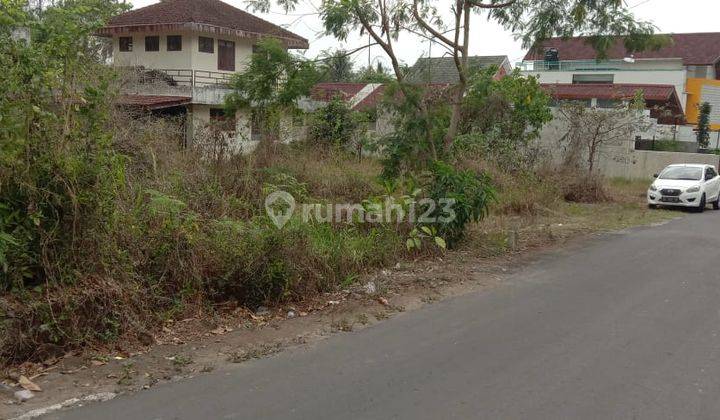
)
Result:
{"points": [[191, 347]]}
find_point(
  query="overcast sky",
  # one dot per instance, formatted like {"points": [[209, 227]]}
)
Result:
{"points": [[670, 16]]}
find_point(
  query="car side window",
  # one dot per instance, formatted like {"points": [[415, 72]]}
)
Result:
{"points": [[710, 174]]}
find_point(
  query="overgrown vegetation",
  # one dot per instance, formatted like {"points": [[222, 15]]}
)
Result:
{"points": [[109, 226]]}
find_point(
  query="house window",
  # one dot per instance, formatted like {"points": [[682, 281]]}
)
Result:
{"points": [[206, 45], [152, 43], [226, 55], [126, 43], [593, 79], [174, 43]]}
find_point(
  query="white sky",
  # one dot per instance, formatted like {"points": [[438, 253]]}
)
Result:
{"points": [[670, 16]]}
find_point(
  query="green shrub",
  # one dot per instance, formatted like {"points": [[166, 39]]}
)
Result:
{"points": [[471, 196], [334, 125]]}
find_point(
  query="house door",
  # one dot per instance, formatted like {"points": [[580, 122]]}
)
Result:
{"points": [[226, 55]]}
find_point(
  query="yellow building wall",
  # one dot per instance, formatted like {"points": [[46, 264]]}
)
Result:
{"points": [[695, 89]]}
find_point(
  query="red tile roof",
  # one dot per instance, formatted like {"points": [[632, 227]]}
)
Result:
{"points": [[327, 91], [206, 15], [663, 96], [372, 100], [609, 91], [152, 101], [693, 49], [324, 92]]}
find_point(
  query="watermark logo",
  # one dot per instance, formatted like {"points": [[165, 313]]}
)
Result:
{"points": [[280, 207]]}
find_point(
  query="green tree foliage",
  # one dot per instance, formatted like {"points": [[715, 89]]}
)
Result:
{"points": [[703, 126], [57, 167], [334, 125], [419, 120], [337, 66], [376, 74], [514, 104], [271, 84], [501, 117]]}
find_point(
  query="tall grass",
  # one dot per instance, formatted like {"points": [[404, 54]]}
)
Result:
{"points": [[187, 232]]}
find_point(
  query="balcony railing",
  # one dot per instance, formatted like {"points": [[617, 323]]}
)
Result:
{"points": [[183, 77], [594, 65]]}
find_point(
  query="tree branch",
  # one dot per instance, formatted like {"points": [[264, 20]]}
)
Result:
{"points": [[427, 27], [491, 6], [386, 46]]}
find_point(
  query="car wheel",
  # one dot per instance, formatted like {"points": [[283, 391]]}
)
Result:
{"points": [[703, 203], [716, 203], [652, 206]]}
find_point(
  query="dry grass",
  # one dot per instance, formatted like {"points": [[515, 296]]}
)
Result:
{"points": [[514, 232]]}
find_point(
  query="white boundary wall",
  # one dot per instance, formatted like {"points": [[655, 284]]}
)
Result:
{"points": [[642, 164], [619, 159]]}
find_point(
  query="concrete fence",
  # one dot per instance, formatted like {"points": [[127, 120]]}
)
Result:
{"points": [[620, 157], [642, 164]]}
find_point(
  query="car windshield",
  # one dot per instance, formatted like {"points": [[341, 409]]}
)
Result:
{"points": [[682, 173]]}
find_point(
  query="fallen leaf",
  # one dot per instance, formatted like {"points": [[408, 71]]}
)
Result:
{"points": [[28, 384], [383, 301]]}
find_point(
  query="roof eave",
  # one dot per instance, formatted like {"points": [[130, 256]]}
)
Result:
{"points": [[110, 30]]}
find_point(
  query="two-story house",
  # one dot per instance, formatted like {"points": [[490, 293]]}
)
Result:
{"points": [[676, 77], [183, 53]]}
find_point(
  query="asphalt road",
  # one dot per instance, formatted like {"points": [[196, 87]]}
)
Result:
{"points": [[625, 327]]}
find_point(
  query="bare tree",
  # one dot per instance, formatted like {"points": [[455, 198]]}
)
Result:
{"points": [[591, 131]]}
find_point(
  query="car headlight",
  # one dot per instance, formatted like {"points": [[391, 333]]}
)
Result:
{"points": [[653, 187], [693, 189]]}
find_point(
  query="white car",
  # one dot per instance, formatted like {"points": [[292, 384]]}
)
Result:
{"points": [[686, 185]]}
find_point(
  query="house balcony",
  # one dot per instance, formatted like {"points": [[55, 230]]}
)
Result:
{"points": [[204, 87], [531, 66]]}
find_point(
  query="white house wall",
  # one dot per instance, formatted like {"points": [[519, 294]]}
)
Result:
{"points": [[189, 58], [238, 142], [209, 62], [163, 59]]}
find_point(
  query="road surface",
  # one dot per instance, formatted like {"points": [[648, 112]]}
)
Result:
{"points": [[625, 327]]}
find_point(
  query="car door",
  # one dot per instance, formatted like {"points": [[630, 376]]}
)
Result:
{"points": [[713, 181], [716, 182]]}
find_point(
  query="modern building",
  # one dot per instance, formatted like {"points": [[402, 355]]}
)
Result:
{"points": [[689, 65], [444, 70], [180, 55]]}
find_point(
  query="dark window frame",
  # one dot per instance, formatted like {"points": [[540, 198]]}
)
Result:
{"points": [[171, 46], [222, 46], [155, 43], [593, 79], [125, 43], [710, 172], [206, 39]]}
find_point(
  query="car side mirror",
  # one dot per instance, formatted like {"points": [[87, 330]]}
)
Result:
{"points": [[655, 175]]}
